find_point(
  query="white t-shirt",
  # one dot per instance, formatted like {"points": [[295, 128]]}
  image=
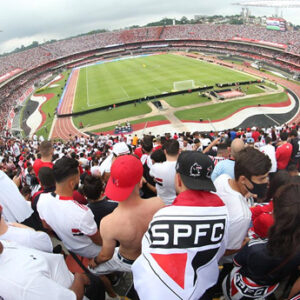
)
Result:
{"points": [[95, 171], [15, 207], [71, 221], [106, 164], [28, 238], [16, 150], [29, 274], [188, 147], [270, 151], [238, 212], [84, 161], [164, 174]]}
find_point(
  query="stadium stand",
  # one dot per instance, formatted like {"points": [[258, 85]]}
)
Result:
{"points": [[21, 70]]}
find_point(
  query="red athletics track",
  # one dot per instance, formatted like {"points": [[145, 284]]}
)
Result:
{"points": [[63, 127]]}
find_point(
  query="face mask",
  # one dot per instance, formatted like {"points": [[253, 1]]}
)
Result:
{"points": [[258, 189]]}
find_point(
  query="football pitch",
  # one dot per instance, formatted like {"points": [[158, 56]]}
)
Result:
{"points": [[119, 81]]}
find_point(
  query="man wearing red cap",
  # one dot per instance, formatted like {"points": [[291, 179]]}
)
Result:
{"points": [[128, 222]]}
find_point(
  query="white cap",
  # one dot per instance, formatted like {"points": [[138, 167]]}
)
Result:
{"points": [[120, 149]]}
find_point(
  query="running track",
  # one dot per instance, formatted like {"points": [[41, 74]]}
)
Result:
{"points": [[63, 127]]}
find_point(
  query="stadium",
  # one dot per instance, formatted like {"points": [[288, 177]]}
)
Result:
{"points": [[164, 75], [156, 161]]}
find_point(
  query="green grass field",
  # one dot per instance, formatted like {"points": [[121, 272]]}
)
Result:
{"points": [[119, 81], [116, 114], [222, 110], [185, 99]]}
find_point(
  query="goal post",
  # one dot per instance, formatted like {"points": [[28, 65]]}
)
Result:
{"points": [[183, 85]]}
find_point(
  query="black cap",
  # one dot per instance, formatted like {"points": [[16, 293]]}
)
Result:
{"points": [[195, 170]]}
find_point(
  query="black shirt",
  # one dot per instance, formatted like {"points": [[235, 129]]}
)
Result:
{"points": [[101, 208], [257, 264]]}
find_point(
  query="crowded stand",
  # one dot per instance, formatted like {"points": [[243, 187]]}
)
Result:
{"points": [[174, 216], [40, 55]]}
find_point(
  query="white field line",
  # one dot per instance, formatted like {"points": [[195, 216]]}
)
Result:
{"points": [[124, 91], [113, 99]]}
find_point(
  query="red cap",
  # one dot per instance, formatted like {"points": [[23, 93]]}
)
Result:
{"points": [[125, 173], [262, 224]]}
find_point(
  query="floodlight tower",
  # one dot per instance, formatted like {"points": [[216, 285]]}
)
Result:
{"points": [[277, 4]]}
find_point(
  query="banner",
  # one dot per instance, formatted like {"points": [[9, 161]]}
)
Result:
{"points": [[271, 44], [9, 75]]}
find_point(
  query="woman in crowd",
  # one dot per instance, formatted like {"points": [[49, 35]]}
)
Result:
{"points": [[262, 264]]}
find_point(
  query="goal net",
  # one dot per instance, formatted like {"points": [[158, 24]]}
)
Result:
{"points": [[183, 85]]}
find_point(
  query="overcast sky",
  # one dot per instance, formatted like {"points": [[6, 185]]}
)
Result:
{"points": [[23, 21]]}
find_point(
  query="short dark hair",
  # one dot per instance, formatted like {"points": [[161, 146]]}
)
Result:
{"points": [[26, 190], [292, 168], [251, 162], [294, 133], [268, 140], [92, 187], [147, 144], [284, 135], [172, 147], [46, 177], [46, 148], [64, 168], [158, 156]]}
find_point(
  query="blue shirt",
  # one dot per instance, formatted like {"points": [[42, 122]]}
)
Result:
{"points": [[223, 167]]}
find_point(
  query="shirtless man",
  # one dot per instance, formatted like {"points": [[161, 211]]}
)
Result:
{"points": [[128, 222]]}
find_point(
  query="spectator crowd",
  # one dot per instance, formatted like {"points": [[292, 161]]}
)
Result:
{"points": [[182, 216]]}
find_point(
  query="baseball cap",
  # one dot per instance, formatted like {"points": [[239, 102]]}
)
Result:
{"points": [[262, 224], [250, 140], [125, 173], [195, 170], [120, 149]]}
